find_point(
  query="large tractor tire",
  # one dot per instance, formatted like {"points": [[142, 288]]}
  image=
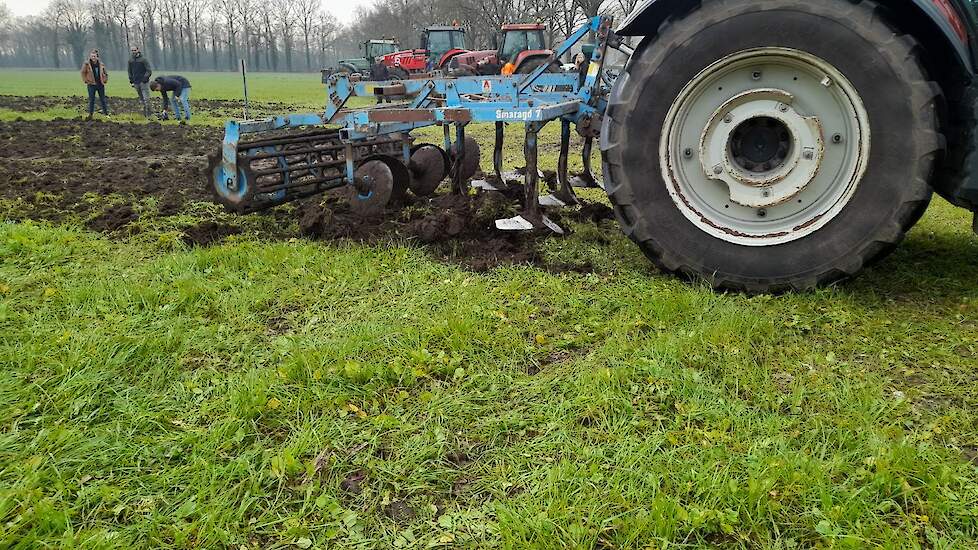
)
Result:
{"points": [[397, 73], [794, 142]]}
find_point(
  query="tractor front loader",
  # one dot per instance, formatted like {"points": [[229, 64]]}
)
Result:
{"points": [[760, 145]]}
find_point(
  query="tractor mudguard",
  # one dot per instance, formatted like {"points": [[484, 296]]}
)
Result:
{"points": [[448, 56], [949, 16], [529, 55]]}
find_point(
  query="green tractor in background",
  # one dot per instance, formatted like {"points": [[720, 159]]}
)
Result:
{"points": [[372, 49]]}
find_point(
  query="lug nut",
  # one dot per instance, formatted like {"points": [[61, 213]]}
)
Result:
{"points": [[837, 138], [761, 213], [756, 75], [688, 153], [783, 108], [718, 169], [728, 118], [766, 193]]}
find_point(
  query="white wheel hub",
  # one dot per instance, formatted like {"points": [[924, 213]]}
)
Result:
{"points": [[765, 146], [773, 170]]}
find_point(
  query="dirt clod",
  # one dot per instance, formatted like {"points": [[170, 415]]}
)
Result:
{"points": [[400, 512], [208, 232], [114, 218], [353, 483]]}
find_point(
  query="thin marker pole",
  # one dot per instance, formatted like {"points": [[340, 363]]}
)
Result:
{"points": [[244, 82]]}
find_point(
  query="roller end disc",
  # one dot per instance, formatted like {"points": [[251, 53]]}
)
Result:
{"points": [[234, 197], [470, 164], [427, 170], [381, 188]]}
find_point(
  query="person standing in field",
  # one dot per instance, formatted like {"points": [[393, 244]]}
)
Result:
{"points": [[95, 76], [139, 72], [180, 88]]}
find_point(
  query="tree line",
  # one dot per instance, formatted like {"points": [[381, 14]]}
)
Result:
{"points": [[271, 35]]}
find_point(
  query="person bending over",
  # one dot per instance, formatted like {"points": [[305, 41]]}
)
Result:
{"points": [[179, 87]]}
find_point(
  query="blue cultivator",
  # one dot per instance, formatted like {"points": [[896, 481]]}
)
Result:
{"points": [[371, 153]]}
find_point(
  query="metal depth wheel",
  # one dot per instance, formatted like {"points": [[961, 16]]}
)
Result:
{"points": [[233, 195], [776, 161]]}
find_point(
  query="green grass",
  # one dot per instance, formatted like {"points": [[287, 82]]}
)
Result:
{"points": [[154, 395], [294, 88]]}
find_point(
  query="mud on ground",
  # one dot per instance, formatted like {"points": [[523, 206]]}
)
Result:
{"points": [[130, 105], [118, 178]]}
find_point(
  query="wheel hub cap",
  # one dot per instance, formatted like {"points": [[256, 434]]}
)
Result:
{"points": [[744, 151], [761, 148]]}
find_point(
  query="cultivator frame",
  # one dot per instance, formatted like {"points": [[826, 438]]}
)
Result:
{"points": [[316, 161]]}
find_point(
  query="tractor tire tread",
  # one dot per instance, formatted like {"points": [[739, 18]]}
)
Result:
{"points": [[902, 50]]}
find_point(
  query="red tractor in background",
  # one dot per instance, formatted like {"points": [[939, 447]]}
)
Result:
{"points": [[439, 45], [523, 44]]}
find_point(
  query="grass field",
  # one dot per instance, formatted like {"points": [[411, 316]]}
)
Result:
{"points": [[294, 88], [298, 394]]}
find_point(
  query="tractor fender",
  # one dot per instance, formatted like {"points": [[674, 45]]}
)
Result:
{"points": [[472, 58], [941, 15], [447, 56], [530, 55]]}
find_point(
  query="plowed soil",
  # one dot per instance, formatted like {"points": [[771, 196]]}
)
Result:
{"points": [[131, 105], [109, 176]]}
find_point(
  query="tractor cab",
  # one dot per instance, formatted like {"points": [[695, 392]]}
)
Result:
{"points": [[372, 49], [440, 40], [519, 38]]}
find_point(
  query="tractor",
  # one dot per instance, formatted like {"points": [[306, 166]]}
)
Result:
{"points": [[760, 146], [523, 44], [439, 44], [372, 49]]}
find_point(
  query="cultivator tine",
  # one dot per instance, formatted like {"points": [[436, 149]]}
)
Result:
{"points": [[458, 186], [564, 196], [530, 151], [497, 152], [497, 165], [531, 217], [586, 178]]}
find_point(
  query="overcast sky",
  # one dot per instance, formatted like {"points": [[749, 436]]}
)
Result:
{"points": [[342, 9]]}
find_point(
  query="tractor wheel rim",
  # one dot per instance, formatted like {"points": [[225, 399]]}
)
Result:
{"points": [[765, 146]]}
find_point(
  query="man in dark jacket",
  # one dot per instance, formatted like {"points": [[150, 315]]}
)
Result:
{"points": [[180, 88], [139, 73]]}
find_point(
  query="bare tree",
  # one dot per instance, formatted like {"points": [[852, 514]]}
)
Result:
{"points": [[286, 14], [121, 10], [195, 11], [73, 20], [211, 34], [308, 12], [265, 12], [6, 30], [229, 11], [147, 24]]}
